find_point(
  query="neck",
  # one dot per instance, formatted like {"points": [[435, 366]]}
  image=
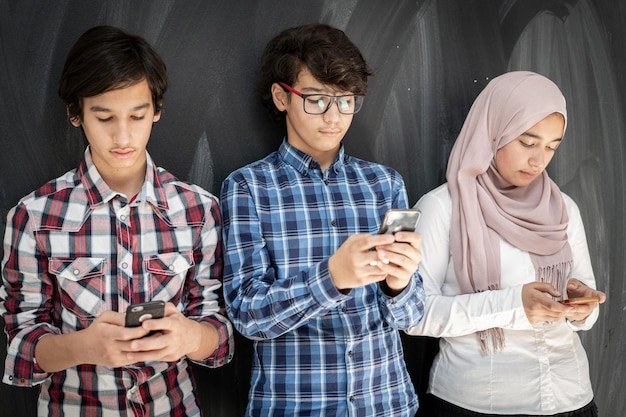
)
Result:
{"points": [[126, 182]]}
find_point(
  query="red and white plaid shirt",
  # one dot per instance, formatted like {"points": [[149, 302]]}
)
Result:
{"points": [[74, 249]]}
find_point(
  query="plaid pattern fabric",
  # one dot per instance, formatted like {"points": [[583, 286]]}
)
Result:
{"points": [[74, 249], [317, 351]]}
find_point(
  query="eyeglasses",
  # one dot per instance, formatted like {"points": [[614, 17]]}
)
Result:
{"points": [[320, 103]]}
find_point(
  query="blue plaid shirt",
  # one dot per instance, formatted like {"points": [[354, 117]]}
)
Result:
{"points": [[317, 351]]}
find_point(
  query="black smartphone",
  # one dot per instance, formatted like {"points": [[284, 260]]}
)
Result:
{"points": [[397, 220], [137, 313]]}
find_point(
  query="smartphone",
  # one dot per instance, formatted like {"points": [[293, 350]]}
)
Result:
{"points": [[137, 313], [581, 300], [397, 220]]}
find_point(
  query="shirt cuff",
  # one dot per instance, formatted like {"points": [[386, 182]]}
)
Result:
{"points": [[21, 368], [322, 288], [225, 350]]}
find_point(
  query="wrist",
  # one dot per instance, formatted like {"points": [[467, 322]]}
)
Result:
{"points": [[389, 291]]}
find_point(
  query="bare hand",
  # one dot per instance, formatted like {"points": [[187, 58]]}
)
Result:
{"points": [[176, 336], [355, 264], [400, 259], [106, 340], [575, 289], [539, 307]]}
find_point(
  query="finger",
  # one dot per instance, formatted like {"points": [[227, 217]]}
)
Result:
{"points": [[412, 238], [130, 333], [399, 253], [397, 264], [365, 242], [112, 317], [546, 288], [170, 309]]}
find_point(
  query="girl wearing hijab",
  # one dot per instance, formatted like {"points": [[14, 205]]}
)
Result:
{"points": [[502, 248]]}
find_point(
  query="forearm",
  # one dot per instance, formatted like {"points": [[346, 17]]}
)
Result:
{"points": [[452, 316], [57, 352], [264, 311], [208, 341]]}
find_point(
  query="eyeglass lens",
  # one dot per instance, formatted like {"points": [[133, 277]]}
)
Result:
{"points": [[318, 104]]}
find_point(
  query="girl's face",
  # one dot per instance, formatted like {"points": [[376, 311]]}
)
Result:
{"points": [[523, 159]]}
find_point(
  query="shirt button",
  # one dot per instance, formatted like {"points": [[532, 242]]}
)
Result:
{"points": [[343, 309], [333, 223], [76, 272], [325, 182], [351, 399], [122, 217], [171, 267], [350, 353], [124, 265]]}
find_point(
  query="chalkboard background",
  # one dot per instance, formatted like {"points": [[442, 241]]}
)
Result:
{"points": [[431, 58]]}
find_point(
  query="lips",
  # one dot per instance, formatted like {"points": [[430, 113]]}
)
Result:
{"points": [[530, 174], [123, 154]]}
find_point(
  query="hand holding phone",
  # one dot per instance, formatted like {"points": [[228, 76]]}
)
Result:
{"points": [[397, 220], [137, 313]]}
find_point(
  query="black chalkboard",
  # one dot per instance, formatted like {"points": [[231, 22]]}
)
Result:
{"points": [[431, 59]]}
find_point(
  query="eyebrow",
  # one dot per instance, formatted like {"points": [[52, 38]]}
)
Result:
{"points": [[104, 109], [315, 90], [535, 136]]}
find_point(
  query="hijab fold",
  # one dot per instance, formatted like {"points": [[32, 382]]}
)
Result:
{"points": [[485, 207]]}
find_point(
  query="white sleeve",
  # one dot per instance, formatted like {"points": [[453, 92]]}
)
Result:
{"points": [[582, 269], [448, 312]]}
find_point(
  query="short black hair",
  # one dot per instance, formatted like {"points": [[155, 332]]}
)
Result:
{"points": [[106, 58], [327, 52]]}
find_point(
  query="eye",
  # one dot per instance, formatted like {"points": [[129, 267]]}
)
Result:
{"points": [[319, 101], [346, 103], [104, 120], [526, 145], [138, 117]]}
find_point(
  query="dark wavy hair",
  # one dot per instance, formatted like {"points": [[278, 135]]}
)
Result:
{"points": [[106, 58], [327, 52]]}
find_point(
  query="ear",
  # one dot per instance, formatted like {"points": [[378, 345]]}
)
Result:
{"points": [[279, 96], [157, 112], [75, 121]]}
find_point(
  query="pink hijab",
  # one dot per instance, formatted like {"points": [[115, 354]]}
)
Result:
{"points": [[486, 208]]}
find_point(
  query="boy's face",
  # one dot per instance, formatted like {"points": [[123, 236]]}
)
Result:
{"points": [[117, 125], [318, 135]]}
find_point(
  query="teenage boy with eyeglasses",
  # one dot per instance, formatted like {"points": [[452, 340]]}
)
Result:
{"points": [[306, 276], [115, 231]]}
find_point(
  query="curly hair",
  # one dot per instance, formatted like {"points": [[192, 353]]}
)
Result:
{"points": [[327, 52], [106, 58]]}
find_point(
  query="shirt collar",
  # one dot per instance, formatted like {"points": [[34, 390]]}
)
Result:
{"points": [[303, 162], [98, 192]]}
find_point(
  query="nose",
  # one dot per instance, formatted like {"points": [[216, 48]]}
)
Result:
{"points": [[537, 158], [121, 133], [332, 114]]}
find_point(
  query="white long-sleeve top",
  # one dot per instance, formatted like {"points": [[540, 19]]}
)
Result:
{"points": [[543, 368]]}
